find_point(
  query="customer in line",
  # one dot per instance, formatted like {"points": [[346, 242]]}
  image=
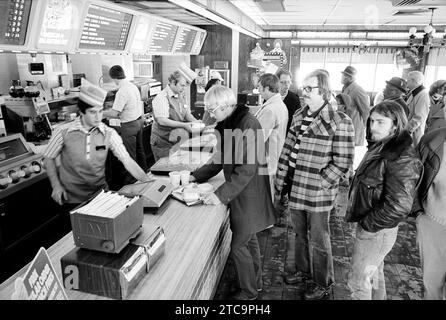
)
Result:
{"points": [[418, 103], [436, 117], [318, 152], [380, 197], [273, 117], [245, 190], [430, 206]]}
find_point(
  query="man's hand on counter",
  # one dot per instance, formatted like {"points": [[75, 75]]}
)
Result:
{"points": [[59, 194], [211, 199]]}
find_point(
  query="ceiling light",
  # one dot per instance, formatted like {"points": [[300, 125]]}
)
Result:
{"points": [[212, 16]]}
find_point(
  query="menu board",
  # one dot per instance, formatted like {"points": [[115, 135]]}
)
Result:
{"points": [[198, 43], [163, 37], [141, 35], [105, 29], [185, 40], [14, 18], [60, 24]]}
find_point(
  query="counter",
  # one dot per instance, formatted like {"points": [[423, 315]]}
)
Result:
{"points": [[197, 246]]}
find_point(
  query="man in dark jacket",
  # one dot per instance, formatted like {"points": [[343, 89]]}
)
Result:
{"points": [[436, 117], [431, 223], [394, 91], [380, 197], [247, 193], [290, 99]]}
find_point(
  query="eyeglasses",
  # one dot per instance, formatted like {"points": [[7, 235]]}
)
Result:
{"points": [[212, 111], [308, 89]]}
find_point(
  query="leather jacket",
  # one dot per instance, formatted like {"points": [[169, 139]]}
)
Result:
{"points": [[430, 150], [385, 183]]}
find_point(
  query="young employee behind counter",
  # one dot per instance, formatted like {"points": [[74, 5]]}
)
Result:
{"points": [[83, 146]]}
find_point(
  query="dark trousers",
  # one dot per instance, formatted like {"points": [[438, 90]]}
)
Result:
{"points": [[131, 134], [312, 245], [245, 252], [64, 216]]}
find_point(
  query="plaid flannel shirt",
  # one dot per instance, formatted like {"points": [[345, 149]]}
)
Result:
{"points": [[325, 155]]}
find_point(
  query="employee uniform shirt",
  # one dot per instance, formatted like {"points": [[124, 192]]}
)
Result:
{"points": [[161, 103], [82, 155], [128, 102]]}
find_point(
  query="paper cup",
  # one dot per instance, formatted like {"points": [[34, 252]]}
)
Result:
{"points": [[185, 175], [175, 178]]}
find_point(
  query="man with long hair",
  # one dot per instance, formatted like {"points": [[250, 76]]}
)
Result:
{"points": [[380, 197]]}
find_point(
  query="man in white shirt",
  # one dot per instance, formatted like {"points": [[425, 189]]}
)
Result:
{"points": [[171, 112], [128, 107]]}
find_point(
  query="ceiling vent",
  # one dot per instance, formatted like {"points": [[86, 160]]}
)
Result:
{"points": [[404, 3]]}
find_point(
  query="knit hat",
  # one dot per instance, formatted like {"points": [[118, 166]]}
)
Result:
{"points": [[187, 72], [91, 94]]}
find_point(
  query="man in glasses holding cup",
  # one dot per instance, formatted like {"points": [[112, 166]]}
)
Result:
{"points": [[318, 152]]}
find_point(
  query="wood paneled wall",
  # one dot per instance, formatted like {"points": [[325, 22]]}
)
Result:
{"points": [[216, 47], [246, 44]]}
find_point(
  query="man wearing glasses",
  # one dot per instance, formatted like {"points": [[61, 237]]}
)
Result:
{"points": [[318, 152]]}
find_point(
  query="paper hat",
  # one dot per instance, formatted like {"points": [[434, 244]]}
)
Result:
{"points": [[216, 75], [187, 72], [91, 94], [398, 83], [350, 71]]}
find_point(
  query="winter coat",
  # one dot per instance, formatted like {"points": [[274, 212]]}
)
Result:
{"points": [[385, 183]]}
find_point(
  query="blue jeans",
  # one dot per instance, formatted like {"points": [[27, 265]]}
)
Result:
{"points": [[312, 245], [366, 277]]}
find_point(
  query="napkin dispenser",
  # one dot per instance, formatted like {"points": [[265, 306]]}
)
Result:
{"points": [[153, 193], [107, 233], [153, 240]]}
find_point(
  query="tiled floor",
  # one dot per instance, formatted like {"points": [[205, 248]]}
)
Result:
{"points": [[402, 266]]}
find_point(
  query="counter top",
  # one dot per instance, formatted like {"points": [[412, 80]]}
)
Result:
{"points": [[197, 246]]}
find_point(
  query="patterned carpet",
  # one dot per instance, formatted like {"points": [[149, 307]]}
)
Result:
{"points": [[402, 266]]}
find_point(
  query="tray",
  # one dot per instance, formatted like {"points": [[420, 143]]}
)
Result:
{"points": [[178, 194]]}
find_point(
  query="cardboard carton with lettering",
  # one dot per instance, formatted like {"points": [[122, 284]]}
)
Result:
{"points": [[107, 222], [104, 274]]}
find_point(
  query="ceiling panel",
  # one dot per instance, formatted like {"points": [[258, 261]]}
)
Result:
{"points": [[368, 13], [166, 9]]}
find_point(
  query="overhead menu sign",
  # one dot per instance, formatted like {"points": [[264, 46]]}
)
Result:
{"points": [[60, 24], [141, 35], [201, 36], [185, 40], [105, 29], [14, 17], [163, 37]]}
